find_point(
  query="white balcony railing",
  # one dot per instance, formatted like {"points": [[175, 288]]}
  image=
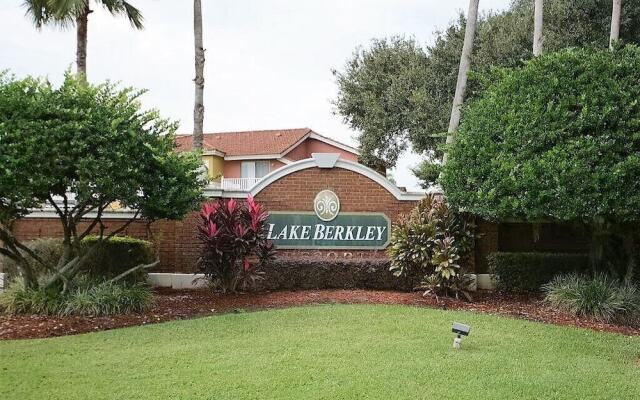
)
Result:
{"points": [[242, 184]]}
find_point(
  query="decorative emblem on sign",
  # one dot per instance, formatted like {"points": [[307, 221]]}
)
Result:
{"points": [[326, 205]]}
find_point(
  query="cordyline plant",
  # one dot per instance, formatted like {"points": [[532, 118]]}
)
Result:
{"points": [[79, 148], [432, 245], [235, 243]]}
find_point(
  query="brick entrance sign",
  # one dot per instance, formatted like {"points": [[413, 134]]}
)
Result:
{"points": [[359, 189], [363, 195]]}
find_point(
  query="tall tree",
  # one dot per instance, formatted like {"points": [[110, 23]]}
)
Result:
{"points": [[537, 28], [66, 13], [198, 108], [463, 70], [614, 34], [93, 144], [395, 93], [518, 159]]}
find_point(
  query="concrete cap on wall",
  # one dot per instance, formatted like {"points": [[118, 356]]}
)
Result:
{"points": [[325, 160]]}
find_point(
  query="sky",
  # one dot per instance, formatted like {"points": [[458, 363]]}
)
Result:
{"points": [[268, 62]]}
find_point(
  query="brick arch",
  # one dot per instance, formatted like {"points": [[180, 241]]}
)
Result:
{"points": [[296, 190], [357, 193], [329, 161]]}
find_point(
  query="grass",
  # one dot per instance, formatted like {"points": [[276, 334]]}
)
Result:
{"points": [[326, 352]]}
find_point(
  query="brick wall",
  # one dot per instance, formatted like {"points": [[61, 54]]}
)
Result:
{"points": [[175, 241], [486, 244], [178, 247], [356, 192]]}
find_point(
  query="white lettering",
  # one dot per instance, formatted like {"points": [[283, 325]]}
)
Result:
{"points": [[328, 235], [293, 233], [282, 234], [349, 234], [381, 230], [270, 232], [358, 237], [370, 232], [319, 232], [339, 232], [306, 232]]}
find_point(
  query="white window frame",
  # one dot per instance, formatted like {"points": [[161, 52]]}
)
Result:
{"points": [[251, 168]]}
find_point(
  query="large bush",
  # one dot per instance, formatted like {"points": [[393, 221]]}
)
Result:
{"points": [[555, 140], [601, 297], [433, 243], [117, 255], [77, 148], [527, 272], [235, 245]]}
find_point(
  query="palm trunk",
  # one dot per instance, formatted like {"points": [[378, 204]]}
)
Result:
{"points": [[537, 28], [463, 70], [198, 109], [82, 21], [615, 22]]}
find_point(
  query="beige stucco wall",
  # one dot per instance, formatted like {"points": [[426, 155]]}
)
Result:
{"points": [[215, 165]]}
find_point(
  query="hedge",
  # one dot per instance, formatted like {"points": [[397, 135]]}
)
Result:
{"points": [[117, 255], [331, 274], [529, 271]]}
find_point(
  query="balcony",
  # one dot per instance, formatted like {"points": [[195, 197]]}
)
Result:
{"points": [[238, 184]]}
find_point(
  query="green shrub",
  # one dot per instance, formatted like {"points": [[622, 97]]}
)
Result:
{"points": [[433, 244], [527, 272], [87, 298], [332, 274], [48, 249], [108, 299], [601, 297], [118, 255], [16, 299]]}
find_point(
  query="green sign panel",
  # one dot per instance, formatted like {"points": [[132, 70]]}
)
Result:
{"points": [[304, 230]]}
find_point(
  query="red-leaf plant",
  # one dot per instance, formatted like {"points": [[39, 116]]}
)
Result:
{"points": [[235, 243]]}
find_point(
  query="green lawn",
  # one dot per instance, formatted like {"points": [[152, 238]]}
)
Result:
{"points": [[326, 352]]}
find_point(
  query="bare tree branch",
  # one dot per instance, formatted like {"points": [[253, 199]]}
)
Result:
{"points": [[134, 269]]}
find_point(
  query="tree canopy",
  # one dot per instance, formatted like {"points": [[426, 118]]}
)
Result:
{"points": [[556, 139], [79, 148], [397, 93]]}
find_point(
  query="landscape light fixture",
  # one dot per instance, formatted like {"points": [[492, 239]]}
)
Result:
{"points": [[459, 329]]}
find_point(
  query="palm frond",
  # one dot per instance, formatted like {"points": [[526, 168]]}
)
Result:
{"points": [[122, 7], [38, 10], [56, 12]]}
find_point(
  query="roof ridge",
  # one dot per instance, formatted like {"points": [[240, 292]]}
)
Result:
{"points": [[250, 131]]}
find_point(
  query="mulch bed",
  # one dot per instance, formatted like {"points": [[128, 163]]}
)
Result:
{"points": [[184, 304]]}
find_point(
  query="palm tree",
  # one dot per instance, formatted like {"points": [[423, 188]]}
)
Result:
{"points": [[66, 13], [463, 70], [615, 22], [537, 28], [198, 108]]}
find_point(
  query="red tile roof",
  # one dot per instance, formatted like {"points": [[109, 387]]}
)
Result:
{"points": [[246, 143]]}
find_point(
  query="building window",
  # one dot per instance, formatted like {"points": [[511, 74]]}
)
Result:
{"points": [[254, 169]]}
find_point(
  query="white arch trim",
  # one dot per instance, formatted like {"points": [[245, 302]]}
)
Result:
{"points": [[317, 161]]}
